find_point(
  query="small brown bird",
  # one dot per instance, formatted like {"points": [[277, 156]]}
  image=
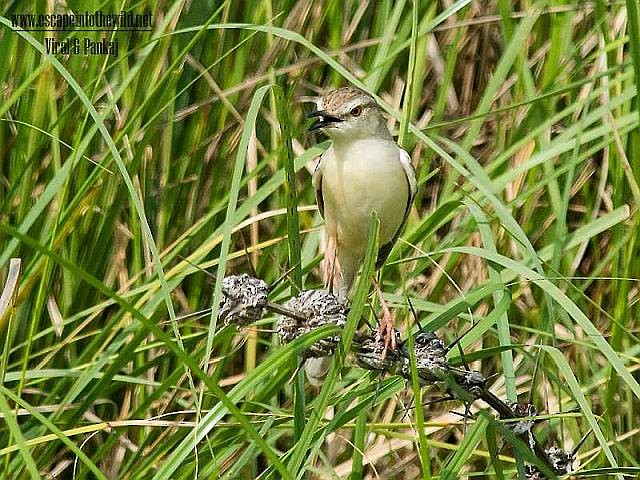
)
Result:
{"points": [[363, 171]]}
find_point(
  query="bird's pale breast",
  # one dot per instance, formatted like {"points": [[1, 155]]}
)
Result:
{"points": [[357, 179]]}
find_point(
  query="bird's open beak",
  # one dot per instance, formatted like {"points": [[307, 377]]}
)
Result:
{"points": [[324, 120]]}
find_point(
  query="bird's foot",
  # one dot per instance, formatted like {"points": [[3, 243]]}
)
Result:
{"points": [[387, 333], [386, 330]]}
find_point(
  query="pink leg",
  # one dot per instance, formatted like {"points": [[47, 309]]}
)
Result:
{"points": [[329, 263], [386, 330]]}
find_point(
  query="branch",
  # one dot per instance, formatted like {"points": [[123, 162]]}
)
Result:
{"points": [[245, 300]]}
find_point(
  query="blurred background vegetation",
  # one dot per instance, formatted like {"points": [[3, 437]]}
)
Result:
{"points": [[124, 180]]}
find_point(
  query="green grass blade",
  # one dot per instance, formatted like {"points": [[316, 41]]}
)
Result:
{"points": [[301, 448], [241, 158], [168, 342], [562, 300], [121, 166], [576, 390], [408, 102], [466, 448], [502, 323], [270, 365], [293, 237], [423, 446], [59, 433], [16, 433]]}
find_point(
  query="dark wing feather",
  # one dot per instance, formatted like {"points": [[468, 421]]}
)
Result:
{"points": [[317, 183], [412, 183]]}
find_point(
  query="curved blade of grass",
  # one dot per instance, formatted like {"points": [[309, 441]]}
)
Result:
{"points": [[482, 354], [583, 234], [166, 340], [293, 239], [453, 467], [457, 306], [423, 446], [478, 177], [565, 302], [359, 434], [276, 361], [241, 159], [16, 433], [99, 122], [579, 397], [502, 323], [425, 229], [57, 432], [358, 300], [481, 326]]}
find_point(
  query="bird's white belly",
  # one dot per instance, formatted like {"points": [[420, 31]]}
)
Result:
{"points": [[369, 178]]}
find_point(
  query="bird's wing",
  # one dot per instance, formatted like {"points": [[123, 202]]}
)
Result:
{"points": [[412, 183], [317, 183]]}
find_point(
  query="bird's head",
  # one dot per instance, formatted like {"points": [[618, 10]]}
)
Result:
{"points": [[349, 113]]}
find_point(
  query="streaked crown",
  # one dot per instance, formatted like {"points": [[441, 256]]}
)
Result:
{"points": [[342, 100], [349, 113]]}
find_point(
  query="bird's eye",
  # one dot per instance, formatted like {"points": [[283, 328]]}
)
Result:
{"points": [[356, 111]]}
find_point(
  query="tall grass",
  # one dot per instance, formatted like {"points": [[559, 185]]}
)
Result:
{"points": [[129, 185]]}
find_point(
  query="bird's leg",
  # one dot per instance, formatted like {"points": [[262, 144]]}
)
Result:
{"points": [[385, 330], [329, 263], [332, 270]]}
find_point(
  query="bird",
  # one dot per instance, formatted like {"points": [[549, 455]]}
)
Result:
{"points": [[363, 171]]}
